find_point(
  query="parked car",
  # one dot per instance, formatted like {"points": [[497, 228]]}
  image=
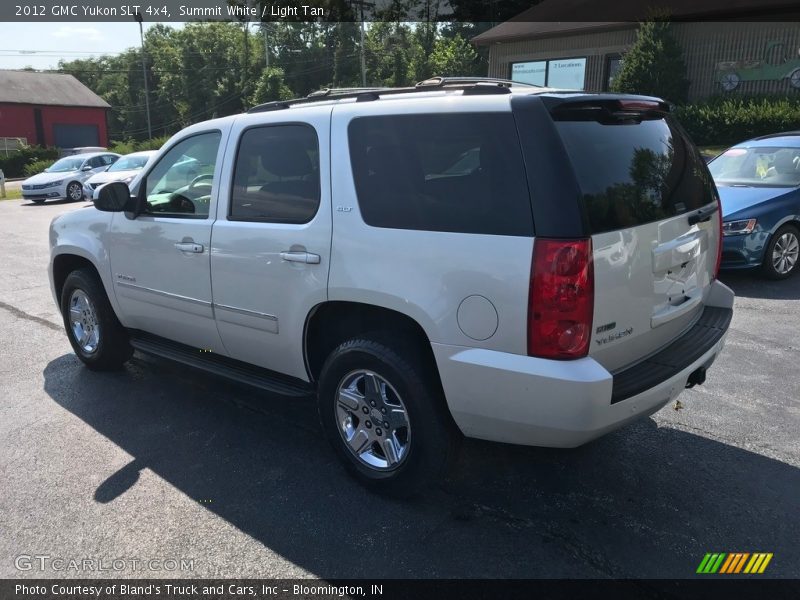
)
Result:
{"points": [[759, 184], [64, 178], [81, 150], [124, 170], [467, 256]]}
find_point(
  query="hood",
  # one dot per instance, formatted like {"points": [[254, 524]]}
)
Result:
{"points": [[735, 199], [48, 177], [106, 177]]}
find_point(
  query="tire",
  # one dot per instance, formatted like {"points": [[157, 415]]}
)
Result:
{"points": [[109, 348], [784, 244], [423, 449], [74, 191], [794, 79]]}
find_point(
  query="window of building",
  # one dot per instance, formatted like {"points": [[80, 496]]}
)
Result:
{"points": [[613, 65], [276, 178], [456, 173], [563, 73]]}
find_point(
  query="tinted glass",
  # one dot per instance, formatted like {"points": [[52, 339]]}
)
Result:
{"points": [[180, 184], [276, 177], [632, 172], [757, 167], [455, 172]]}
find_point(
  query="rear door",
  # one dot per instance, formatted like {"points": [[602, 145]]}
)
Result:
{"points": [[651, 209]]}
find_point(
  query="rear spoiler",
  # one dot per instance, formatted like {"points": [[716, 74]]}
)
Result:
{"points": [[607, 109]]}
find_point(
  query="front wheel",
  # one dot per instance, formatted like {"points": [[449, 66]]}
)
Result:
{"points": [[382, 410], [94, 332], [782, 253], [75, 191]]}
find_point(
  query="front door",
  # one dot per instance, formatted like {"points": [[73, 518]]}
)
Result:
{"points": [[271, 243], [160, 260]]}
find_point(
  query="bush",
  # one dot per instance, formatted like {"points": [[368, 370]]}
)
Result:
{"points": [[36, 167], [728, 120], [14, 164], [129, 146]]}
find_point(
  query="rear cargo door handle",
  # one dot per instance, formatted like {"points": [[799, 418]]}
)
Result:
{"points": [[301, 257], [190, 247]]}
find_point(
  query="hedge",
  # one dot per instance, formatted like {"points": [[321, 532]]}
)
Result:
{"points": [[728, 120], [129, 146], [14, 164]]}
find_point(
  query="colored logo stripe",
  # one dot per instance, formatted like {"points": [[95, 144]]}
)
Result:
{"points": [[734, 562]]}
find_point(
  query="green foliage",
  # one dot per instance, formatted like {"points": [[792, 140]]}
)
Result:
{"points": [[453, 56], [271, 85], [36, 167], [129, 146], [14, 164], [654, 65], [727, 120]]}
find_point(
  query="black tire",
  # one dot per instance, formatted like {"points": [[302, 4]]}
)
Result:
{"points": [[784, 233], [73, 189], [433, 439], [113, 347]]}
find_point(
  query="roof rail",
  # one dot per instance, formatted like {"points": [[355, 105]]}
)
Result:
{"points": [[469, 85]]}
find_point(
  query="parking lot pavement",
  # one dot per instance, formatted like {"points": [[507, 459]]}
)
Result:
{"points": [[158, 461]]}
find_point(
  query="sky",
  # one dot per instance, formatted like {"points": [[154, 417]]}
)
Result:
{"points": [[42, 45]]}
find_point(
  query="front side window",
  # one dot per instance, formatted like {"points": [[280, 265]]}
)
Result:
{"points": [[276, 178], [453, 172], [180, 184]]}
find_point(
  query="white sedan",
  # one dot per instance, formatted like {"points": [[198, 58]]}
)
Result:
{"points": [[64, 178], [124, 170]]}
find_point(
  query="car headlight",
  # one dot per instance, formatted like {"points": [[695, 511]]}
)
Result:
{"points": [[53, 183], [738, 227]]}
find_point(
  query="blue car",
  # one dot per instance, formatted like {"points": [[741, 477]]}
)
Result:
{"points": [[759, 185]]}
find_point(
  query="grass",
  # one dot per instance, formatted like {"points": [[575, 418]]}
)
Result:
{"points": [[12, 194]]}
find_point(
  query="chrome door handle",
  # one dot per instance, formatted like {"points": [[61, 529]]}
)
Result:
{"points": [[301, 257], [189, 247]]}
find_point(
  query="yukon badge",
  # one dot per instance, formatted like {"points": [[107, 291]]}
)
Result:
{"points": [[122, 277]]}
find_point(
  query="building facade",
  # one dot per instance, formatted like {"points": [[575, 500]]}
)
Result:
{"points": [[51, 109], [721, 57]]}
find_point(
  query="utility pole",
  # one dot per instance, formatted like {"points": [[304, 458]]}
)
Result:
{"points": [[139, 19], [361, 4], [266, 43]]}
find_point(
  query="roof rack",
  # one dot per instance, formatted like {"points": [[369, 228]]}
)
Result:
{"points": [[469, 85]]}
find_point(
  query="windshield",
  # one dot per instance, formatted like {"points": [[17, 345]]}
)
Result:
{"points": [[65, 165], [129, 163], [757, 167]]}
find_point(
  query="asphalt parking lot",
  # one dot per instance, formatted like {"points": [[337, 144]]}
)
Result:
{"points": [[160, 462]]}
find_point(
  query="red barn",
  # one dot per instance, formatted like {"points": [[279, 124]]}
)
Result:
{"points": [[51, 109]]}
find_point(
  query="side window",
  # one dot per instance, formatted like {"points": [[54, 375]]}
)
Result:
{"points": [[276, 177], [109, 159], [179, 185], [95, 162], [454, 172]]}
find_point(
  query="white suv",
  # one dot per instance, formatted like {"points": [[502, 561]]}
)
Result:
{"points": [[468, 257]]}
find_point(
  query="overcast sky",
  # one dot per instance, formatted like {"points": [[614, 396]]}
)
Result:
{"points": [[42, 45]]}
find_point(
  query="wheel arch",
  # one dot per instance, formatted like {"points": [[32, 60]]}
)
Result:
{"points": [[330, 323]]}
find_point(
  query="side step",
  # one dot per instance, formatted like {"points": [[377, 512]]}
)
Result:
{"points": [[223, 366]]}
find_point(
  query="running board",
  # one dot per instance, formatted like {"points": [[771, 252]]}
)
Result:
{"points": [[223, 366]]}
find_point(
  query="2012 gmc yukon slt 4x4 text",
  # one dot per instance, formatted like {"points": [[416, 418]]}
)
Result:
{"points": [[505, 262]]}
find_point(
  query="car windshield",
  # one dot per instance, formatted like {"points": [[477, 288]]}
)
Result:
{"points": [[65, 165], [757, 166], [129, 163]]}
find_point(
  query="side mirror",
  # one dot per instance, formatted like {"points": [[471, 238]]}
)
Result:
{"points": [[86, 168], [115, 197]]}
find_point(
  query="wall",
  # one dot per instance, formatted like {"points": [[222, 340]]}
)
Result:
{"points": [[704, 44], [17, 120]]}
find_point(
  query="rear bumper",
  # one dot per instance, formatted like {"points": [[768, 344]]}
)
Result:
{"points": [[524, 400]]}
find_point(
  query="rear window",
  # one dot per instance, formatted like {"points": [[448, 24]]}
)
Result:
{"points": [[453, 172], [631, 173]]}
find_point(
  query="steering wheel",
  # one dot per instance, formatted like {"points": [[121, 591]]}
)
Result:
{"points": [[180, 204], [198, 179]]}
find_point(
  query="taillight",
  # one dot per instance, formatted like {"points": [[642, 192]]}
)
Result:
{"points": [[561, 298], [719, 241]]}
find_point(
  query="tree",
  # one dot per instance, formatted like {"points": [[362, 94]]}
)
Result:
{"points": [[271, 85], [454, 56], [654, 65]]}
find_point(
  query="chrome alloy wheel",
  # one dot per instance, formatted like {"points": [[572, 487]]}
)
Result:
{"points": [[83, 321], [785, 253], [74, 191], [373, 420]]}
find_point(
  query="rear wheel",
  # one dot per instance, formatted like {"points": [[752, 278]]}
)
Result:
{"points": [[97, 337], [782, 253], [382, 410]]}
